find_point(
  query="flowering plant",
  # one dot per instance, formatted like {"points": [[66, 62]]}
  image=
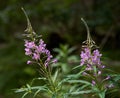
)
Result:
{"points": [[88, 81]]}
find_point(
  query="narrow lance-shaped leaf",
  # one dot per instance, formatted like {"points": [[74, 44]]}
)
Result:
{"points": [[55, 76], [79, 81], [24, 95], [82, 92]]}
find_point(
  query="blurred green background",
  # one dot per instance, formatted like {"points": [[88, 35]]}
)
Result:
{"points": [[59, 22]]}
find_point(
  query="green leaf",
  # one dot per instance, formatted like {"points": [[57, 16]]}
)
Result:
{"points": [[29, 87], [63, 81], [24, 94], [57, 50], [117, 78], [65, 96], [79, 81], [40, 78], [102, 94], [54, 96], [55, 76], [71, 50], [72, 88], [40, 88], [81, 92], [20, 90], [44, 88], [81, 87], [76, 67], [36, 93], [76, 75]]}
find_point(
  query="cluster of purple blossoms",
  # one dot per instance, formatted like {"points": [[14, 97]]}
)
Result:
{"points": [[90, 59], [38, 51]]}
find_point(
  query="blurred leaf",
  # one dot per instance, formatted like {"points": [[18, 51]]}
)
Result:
{"points": [[55, 76], [82, 92], [79, 81], [24, 95]]}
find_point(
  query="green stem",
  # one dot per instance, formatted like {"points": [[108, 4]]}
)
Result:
{"points": [[89, 42], [49, 78], [29, 28]]}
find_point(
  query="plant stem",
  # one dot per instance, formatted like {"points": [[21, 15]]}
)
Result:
{"points": [[49, 78]]}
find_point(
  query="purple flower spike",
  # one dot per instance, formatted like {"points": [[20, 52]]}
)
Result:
{"points": [[35, 51], [91, 59]]}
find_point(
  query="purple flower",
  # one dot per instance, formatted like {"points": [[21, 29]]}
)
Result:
{"points": [[107, 78], [96, 53], [85, 55], [36, 56], [96, 57], [46, 64], [102, 66], [28, 51], [99, 72], [36, 50], [89, 67], [84, 73], [29, 44], [41, 42], [96, 60], [93, 82], [29, 62], [54, 61], [90, 58], [39, 49]]}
